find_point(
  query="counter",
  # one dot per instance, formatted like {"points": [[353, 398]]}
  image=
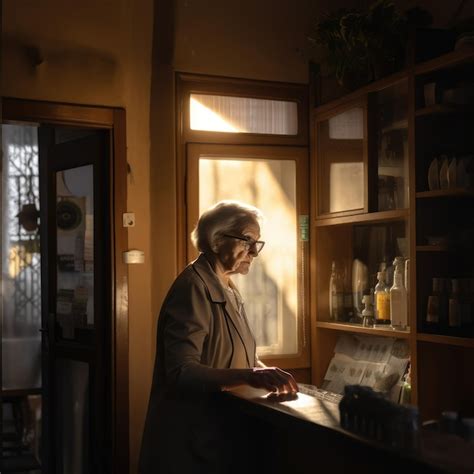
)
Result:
{"points": [[304, 436]]}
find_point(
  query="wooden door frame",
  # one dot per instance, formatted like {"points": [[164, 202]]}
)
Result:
{"points": [[113, 119]]}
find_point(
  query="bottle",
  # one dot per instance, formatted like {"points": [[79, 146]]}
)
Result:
{"points": [[465, 309], [348, 305], [405, 393], [410, 429], [470, 296], [398, 298], [368, 319], [434, 308], [444, 290], [454, 309], [407, 275], [382, 300], [336, 294], [467, 429]]}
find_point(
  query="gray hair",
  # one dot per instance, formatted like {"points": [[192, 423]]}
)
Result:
{"points": [[225, 217]]}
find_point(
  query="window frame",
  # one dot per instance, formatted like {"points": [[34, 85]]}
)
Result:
{"points": [[190, 144]]}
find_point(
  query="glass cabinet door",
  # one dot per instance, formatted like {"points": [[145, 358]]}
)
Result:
{"points": [[388, 109], [342, 170]]}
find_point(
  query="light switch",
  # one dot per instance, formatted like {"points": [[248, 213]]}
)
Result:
{"points": [[134, 256], [128, 219]]}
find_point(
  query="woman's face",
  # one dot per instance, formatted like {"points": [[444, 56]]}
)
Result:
{"points": [[233, 255]]}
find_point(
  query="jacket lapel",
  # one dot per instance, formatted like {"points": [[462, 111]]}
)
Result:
{"points": [[219, 295]]}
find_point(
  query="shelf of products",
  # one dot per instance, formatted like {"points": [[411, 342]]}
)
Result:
{"points": [[393, 173]]}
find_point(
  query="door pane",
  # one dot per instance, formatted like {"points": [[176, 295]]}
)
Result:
{"points": [[21, 297], [75, 250], [341, 162], [270, 290], [72, 417], [391, 129]]}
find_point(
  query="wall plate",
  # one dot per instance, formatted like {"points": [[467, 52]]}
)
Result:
{"points": [[134, 256]]}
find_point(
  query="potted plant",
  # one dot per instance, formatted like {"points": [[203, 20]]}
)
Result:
{"points": [[362, 46]]}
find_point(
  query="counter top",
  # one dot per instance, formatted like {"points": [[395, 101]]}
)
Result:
{"points": [[314, 422]]}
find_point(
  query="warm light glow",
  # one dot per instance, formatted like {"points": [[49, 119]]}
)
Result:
{"points": [[219, 113], [18, 259], [270, 289], [303, 401], [203, 118]]}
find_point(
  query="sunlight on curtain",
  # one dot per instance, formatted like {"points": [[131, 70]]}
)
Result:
{"points": [[243, 115], [270, 289]]}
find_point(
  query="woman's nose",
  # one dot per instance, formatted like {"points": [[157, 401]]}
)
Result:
{"points": [[253, 250]]}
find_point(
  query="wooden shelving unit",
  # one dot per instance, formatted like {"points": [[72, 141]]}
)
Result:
{"points": [[348, 235]]}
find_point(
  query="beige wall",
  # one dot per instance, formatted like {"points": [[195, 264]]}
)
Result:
{"points": [[96, 52], [264, 39]]}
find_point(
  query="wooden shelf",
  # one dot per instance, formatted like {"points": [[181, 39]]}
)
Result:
{"points": [[432, 248], [447, 340], [438, 109], [446, 60], [367, 218], [445, 193], [358, 328], [399, 125]]}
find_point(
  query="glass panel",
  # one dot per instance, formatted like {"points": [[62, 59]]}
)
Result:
{"points": [[75, 250], [270, 290], [341, 162], [21, 301], [392, 146], [21, 296], [72, 416], [243, 115]]}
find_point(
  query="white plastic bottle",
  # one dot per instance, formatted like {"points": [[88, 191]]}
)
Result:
{"points": [[398, 299], [336, 295]]}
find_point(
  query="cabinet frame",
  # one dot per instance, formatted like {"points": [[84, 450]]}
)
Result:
{"points": [[321, 186], [325, 333]]}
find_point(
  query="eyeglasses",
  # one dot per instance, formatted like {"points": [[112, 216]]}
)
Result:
{"points": [[248, 242]]}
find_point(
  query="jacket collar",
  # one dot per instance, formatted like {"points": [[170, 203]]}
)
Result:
{"points": [[203, 268]]}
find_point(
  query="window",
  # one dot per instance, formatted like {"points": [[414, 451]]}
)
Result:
{"points": [[270, 289], [243, 115], [270, 177]]}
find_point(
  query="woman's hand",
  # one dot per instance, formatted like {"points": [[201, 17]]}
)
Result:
{"points": [[272, 379]]}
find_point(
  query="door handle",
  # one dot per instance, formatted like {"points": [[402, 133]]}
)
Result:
{"points": [[45, 336]]}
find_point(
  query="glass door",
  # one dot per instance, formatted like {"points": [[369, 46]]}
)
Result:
{"points": [[75, 350]]}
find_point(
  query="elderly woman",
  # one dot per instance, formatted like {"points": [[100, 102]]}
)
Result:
{"points": [[205, 346]]}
